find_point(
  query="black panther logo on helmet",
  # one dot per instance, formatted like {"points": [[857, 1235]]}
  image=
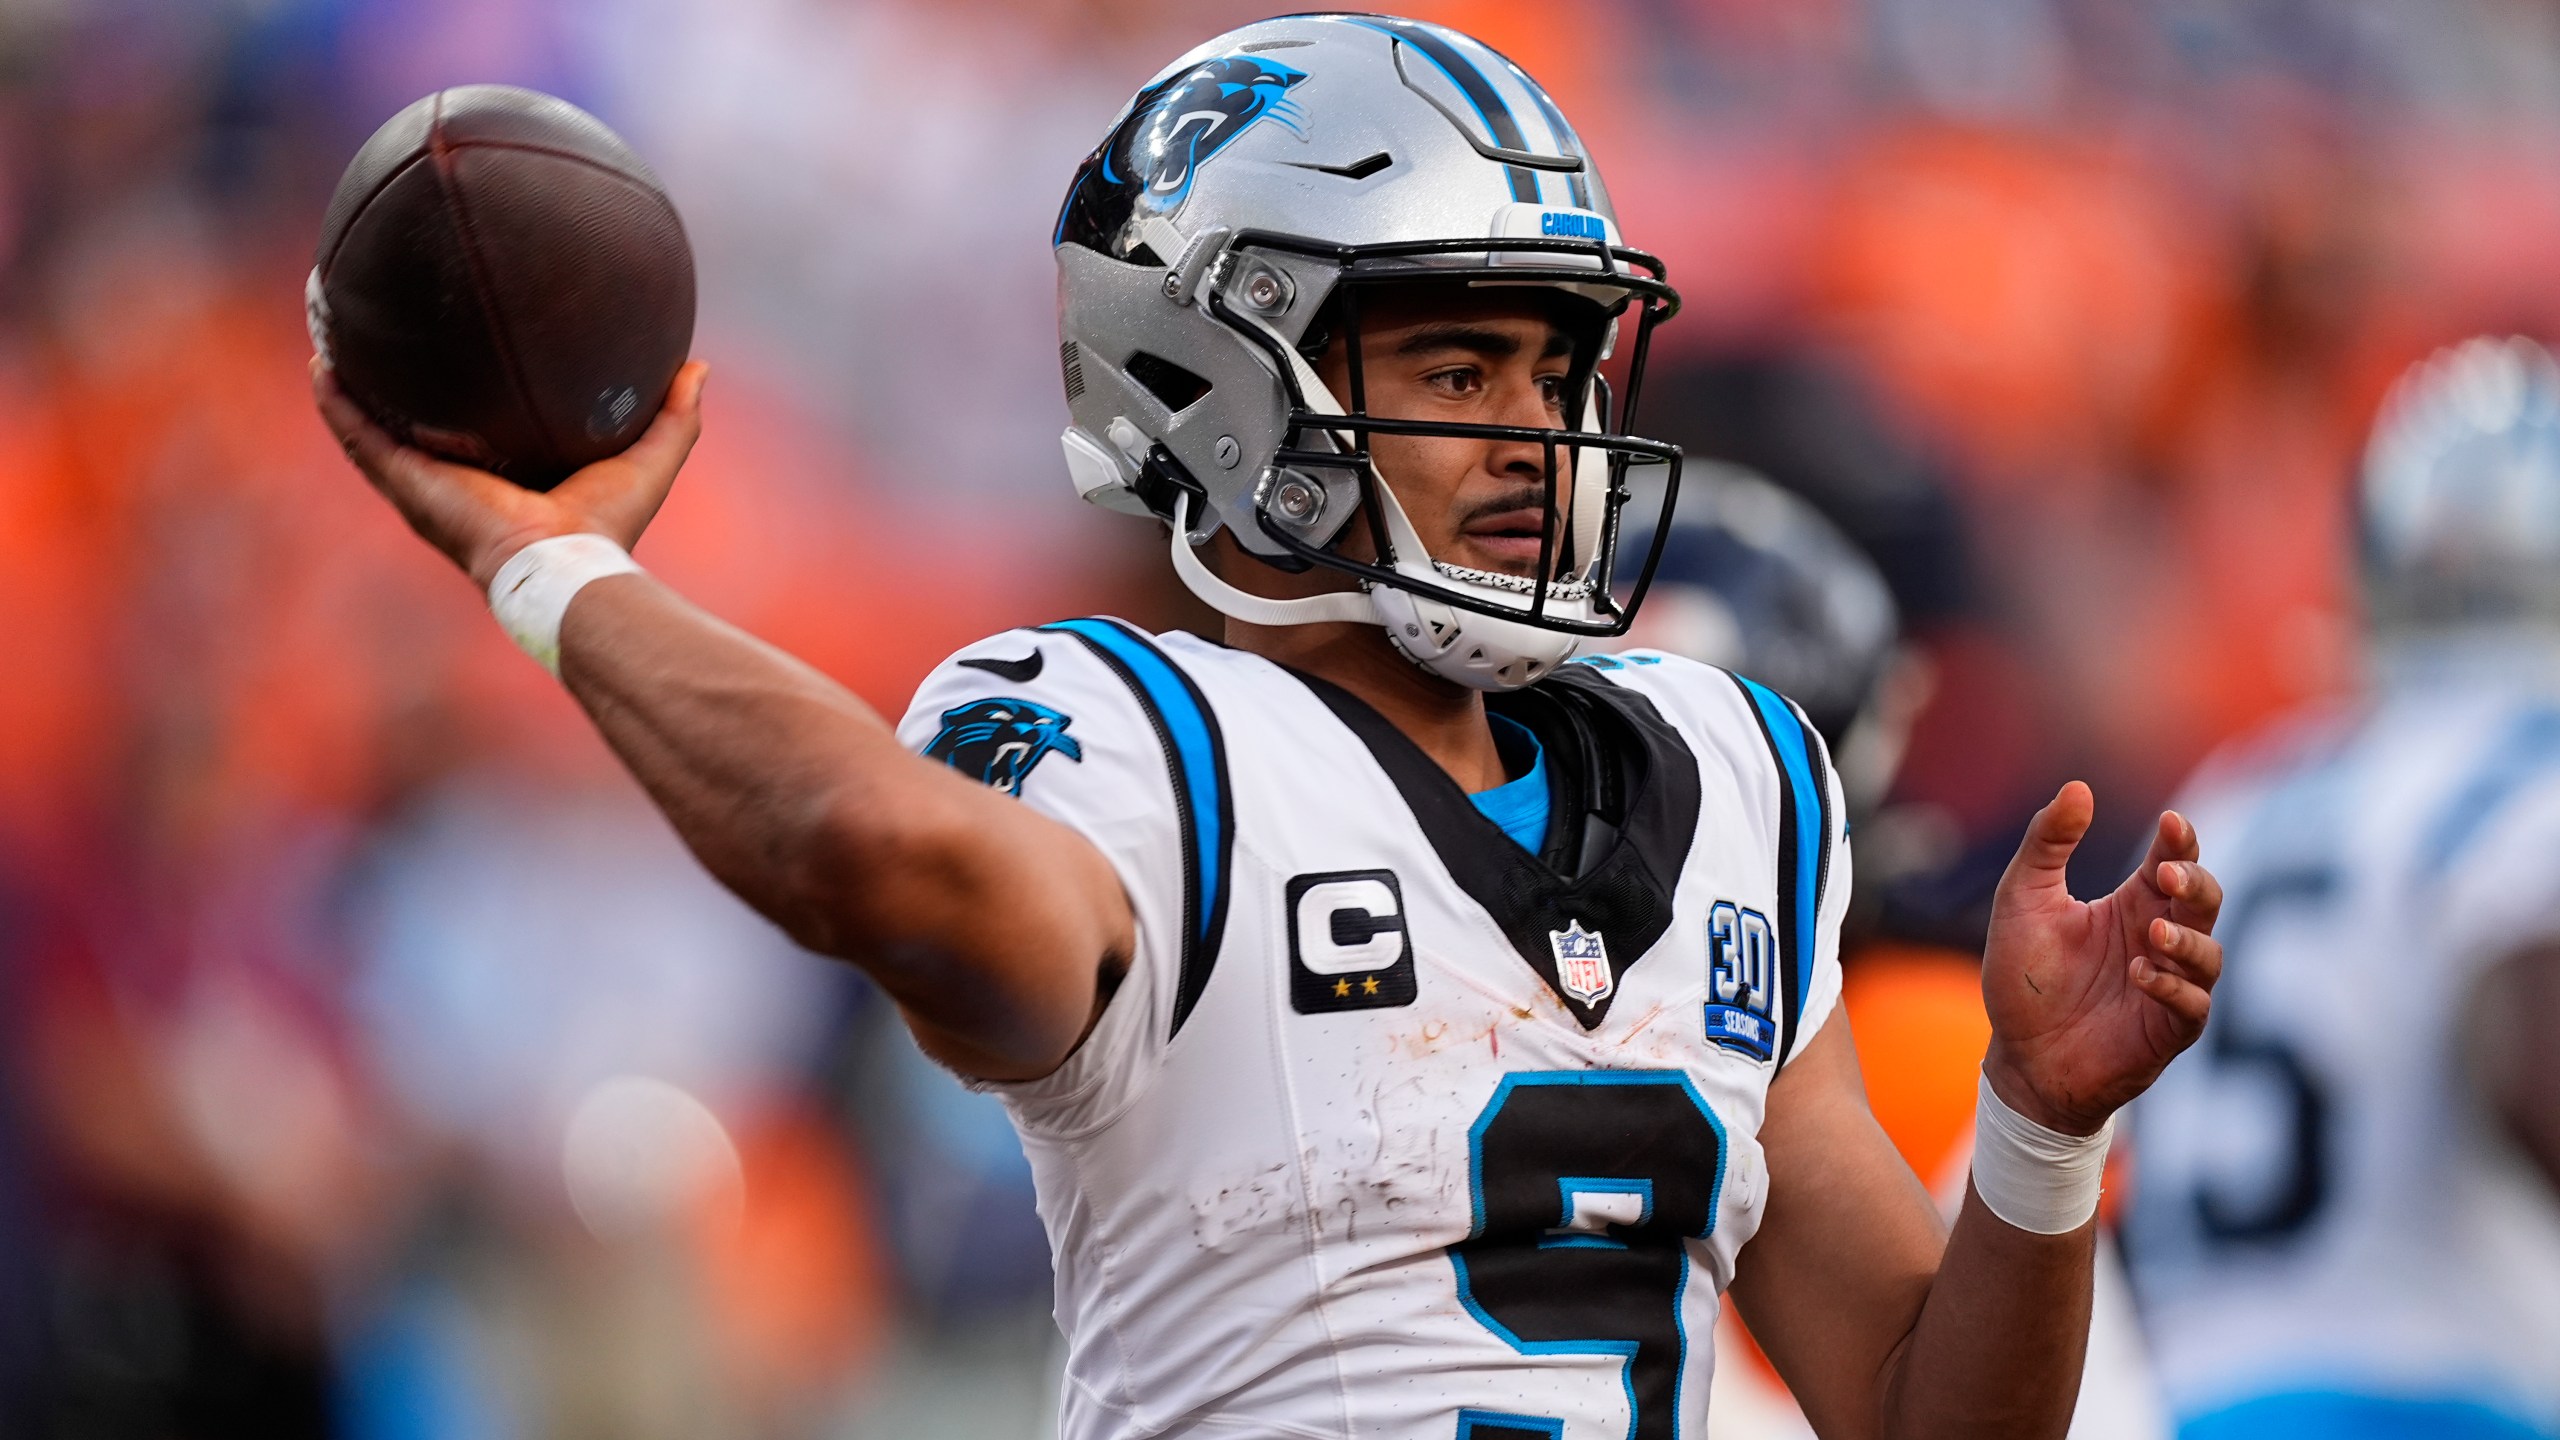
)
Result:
{"points": [[998, 741], [1172, 128]]}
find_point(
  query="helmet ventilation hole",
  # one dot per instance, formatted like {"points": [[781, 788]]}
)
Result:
{"points": [[1178, 388]]}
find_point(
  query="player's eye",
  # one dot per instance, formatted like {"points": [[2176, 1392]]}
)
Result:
{"points": [[1458, 381], [1551, 390]]}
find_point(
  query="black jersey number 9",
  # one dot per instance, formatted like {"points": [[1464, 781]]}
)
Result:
{"points": [[1587, 1183]]}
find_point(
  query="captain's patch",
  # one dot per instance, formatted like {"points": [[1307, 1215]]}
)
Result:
{"points": [[1348, 945]]}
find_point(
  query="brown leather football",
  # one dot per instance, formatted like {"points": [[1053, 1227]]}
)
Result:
{"points": [[500, 280]]}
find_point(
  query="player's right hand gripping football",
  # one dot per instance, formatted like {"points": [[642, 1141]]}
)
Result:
{"points": [[478, 520], [2089, 1001]]}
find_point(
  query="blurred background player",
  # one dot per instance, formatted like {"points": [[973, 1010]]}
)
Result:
{"points": [[2344, 1224], [1755, 580]]}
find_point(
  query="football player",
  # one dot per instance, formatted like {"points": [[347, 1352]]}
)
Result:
{"points": [[1413, 1034], [2343, 1224]]}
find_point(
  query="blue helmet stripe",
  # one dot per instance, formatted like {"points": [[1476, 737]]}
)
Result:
{"points": [[1803, 828], [1567, 143], [1196, 756], [1471, 82]]}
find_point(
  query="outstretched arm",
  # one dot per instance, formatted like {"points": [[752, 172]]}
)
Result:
{"points": [[1883, 1323], [995, 928]]}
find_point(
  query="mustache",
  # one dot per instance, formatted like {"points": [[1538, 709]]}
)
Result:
{"points": [[1516, 497]]}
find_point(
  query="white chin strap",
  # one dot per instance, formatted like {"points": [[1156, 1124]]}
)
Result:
{"points": [[1479, 651], [1244, 605]]}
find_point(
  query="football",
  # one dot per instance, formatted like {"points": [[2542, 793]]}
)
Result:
{"points": [[502, 281]]}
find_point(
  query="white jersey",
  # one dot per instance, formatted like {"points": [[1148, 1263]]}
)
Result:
{"points": [[2323, 1210], [1395, 1129]]}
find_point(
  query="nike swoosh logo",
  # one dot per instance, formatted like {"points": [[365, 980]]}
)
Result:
{"points": [[1019, 672], [1356, 170]]}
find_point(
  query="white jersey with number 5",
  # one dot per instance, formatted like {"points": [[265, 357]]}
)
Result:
{"points": [[1395, 1128], [2326, 1221]]}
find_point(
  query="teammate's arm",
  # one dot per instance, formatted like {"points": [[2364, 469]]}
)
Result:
{"points": [[1882, 1323], [2514, 1010], [996, 929]]}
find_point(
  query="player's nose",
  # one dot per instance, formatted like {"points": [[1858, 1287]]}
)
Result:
{"points": [[1524, 406]]}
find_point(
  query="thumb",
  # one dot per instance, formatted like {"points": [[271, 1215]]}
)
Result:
{"points": [[2051, 836], [623, 493]]}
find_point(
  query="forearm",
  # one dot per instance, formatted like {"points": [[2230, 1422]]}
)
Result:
{"points": [[1997, 1348], [1884, 1324], [991, 925], [746, 749]]}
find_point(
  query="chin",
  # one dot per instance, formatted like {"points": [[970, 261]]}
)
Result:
{"points": [[1524, 568]]}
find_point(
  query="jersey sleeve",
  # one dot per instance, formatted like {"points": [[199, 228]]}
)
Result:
{"points": [[1760, 728], [1045, 716], [1822, 992]]}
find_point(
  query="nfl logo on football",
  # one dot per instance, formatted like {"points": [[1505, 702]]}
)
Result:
{"points": [[1582, 963]]}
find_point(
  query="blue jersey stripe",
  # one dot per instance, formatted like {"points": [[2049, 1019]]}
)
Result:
{"points": [[1196, 756], [1802, 831], [2347, 1415], [2530, 746]]}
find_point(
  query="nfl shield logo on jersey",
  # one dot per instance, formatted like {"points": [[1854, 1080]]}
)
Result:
{"points": [[1582, 963]]}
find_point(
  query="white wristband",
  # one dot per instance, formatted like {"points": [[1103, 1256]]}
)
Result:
{"points": [[531, 592], [2036, 1179]]}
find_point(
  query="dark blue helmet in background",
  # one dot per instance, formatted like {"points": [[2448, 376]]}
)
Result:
{"points": [[1755, 580]]}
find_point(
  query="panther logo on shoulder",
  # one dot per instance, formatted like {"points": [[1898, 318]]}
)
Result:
{"points": [[998, 741]]}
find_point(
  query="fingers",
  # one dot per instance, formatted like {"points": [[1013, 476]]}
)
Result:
{"points": [[2175, 839], [2187, 1003], [622, 495], [2195, 896], [2190, 953], [455, 508], [365, 442], [2051, 836]]}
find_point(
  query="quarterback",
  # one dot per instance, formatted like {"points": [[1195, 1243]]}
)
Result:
{"points": [[1416, 1030]]}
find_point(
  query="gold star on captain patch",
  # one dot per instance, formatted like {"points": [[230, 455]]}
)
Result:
{"points": [[1369, 986], [1341, 989]]}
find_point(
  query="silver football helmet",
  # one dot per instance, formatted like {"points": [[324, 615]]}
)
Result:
{"points": [[2461, 511], [1224, 233]]}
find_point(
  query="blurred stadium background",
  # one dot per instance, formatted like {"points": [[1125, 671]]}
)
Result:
{"points": [[378, 1065]]}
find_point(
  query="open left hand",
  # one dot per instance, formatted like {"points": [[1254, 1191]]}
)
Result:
{"points": [[2089, 1001]]}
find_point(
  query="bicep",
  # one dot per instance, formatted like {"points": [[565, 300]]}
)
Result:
{"points": [[1015, 928], [1842, 1264]]}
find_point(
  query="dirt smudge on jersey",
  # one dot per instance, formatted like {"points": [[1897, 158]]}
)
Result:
{"points": [[1385, 1164], [1263, 1201], [1424, 1040]]}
